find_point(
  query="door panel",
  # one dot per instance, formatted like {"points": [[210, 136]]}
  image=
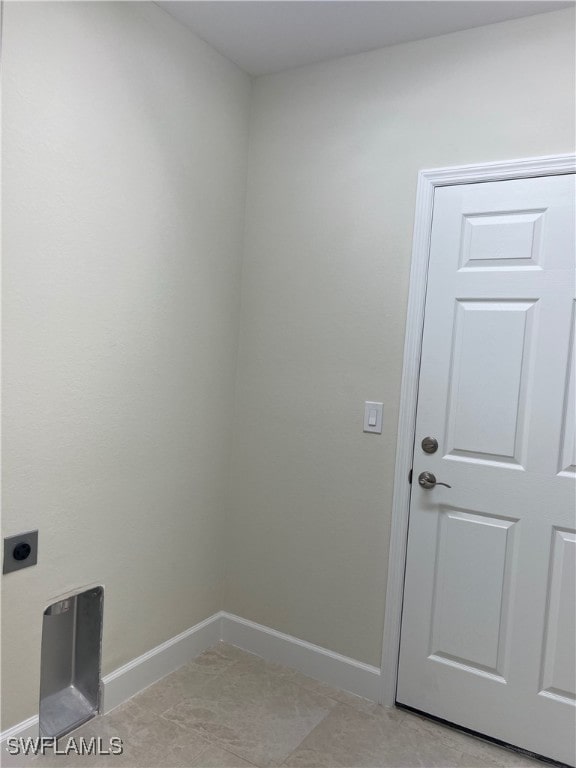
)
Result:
{"points": [[471, 590], [559, 659], [488, 627], [567, 463], [474, 388], [502, 241]]}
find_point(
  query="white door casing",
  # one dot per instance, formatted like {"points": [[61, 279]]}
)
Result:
{"points": [[488, 627]]}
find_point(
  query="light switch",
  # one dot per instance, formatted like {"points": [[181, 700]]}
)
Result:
{"points": [[373, 417]]}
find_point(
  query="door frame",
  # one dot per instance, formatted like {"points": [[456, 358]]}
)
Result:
{"points": [[428, 180]]}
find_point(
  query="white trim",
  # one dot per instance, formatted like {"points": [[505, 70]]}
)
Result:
{"points": [[133, 677], [312, 660], [24, 730], [427, 182]]}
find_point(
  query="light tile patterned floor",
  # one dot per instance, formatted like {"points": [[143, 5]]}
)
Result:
{"points": [[233, 710]]}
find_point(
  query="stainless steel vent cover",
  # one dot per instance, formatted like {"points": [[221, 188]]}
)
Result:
{"points": [[70, 667]]}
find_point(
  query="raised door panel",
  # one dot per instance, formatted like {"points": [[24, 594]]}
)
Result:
{"points": [[472, 580], [559, 666], [567, 463], [503, 240], [489, 381]]}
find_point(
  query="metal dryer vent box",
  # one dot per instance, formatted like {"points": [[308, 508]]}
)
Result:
{"points": [[70, 666]]}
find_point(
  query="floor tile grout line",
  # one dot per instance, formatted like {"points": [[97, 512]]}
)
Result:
{"points": [[228, 751], [307, 736]]}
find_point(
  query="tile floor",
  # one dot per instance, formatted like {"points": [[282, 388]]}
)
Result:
{"points": [[231, 709]]}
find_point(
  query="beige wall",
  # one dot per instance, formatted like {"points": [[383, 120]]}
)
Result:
{"points": [[335, 151], [125, 144]]}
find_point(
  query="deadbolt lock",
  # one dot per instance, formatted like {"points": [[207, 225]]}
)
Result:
{"points": [[429, 445]]}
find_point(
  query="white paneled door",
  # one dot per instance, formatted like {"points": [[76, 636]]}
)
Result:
{"points": [[488, 627]]}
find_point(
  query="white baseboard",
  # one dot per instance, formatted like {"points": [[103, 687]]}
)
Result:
{"points": [[24, 730], [133, 677], [312, 660]]}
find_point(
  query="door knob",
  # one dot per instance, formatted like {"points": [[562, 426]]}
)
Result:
{"points": [[428, 480]]}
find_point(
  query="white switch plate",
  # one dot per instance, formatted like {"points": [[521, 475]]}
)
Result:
{"points": [[373, 417]]}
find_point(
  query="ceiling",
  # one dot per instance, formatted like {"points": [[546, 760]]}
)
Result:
{"points": [[265, 36]]}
